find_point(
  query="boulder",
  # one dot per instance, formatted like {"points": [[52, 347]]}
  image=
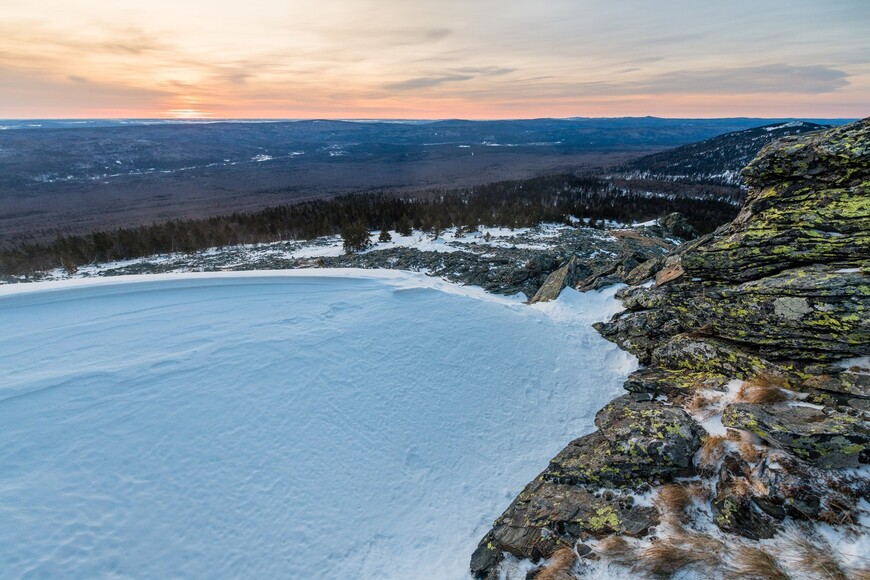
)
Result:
{"points": [[644, 271], [648, 383], [557, 281], [808, 203], [824, 437], [638, 443], [694, 354], [547, 514]]}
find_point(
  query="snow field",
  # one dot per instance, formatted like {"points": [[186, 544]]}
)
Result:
{"points": [[299, 424]]}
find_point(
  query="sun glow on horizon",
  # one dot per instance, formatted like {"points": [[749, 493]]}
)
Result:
{"points": [[187, 114], [431, 59]]}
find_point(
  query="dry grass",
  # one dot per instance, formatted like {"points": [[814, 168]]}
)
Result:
{"points": [[618, 551], [672, 500], [760, 394], [837, 512], [711, 451], [859, 573], [699, 491], [756, 564], [769, 380], [668, 556], [703, 405], [559, 566], [698, 542], [740, 487], [734, 435], [748, 451], [816, 559]]}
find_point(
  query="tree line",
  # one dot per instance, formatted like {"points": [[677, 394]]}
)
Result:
{"points": [[516, 203]]}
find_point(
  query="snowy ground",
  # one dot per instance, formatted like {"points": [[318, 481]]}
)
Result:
{"points": [[484, 241], [300, 424]]}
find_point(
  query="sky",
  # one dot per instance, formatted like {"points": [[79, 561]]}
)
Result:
{"points": [[431, 59]]}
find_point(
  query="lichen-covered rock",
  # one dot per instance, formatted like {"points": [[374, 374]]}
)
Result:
{"points": [[638, 442], [656, 432], [818, 312], [641, 332], [774, 298], [845, 384], [548, 514], [644, 271], [827, 438], [647, 383], [734, 510], [711, 356], [788, 486], [809, 202]]}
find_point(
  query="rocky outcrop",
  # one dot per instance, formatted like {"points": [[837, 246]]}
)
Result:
{"points": [[829, 438], [567, 275], [775, 300]]}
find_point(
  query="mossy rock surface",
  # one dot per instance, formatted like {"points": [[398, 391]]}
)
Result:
{"points": [[546, 511], [809, 202], [824, 437], [638, 443]]}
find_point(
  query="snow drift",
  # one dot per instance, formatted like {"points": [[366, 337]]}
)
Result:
{"points": [[325, 424]]}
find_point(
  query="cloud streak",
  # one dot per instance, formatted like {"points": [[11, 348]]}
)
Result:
{"points": [[428, 58]]}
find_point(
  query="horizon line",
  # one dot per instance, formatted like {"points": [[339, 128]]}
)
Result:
{"points": [[412, 119]]}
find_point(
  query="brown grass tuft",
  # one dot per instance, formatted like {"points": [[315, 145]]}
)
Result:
{"points": [[699, 491], [734, 435], [703, 405], [748, 451], [816, 560], [559, 566], [617, 550], [740, 487], [760, 394], [711, 451], [672, 500], [666, 557], [756, 564], [769, 380]]}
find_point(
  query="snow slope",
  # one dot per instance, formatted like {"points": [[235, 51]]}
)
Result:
{"points": [[328, 424]]}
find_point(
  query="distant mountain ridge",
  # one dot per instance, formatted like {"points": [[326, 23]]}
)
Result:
{"points": [[717, 160]]}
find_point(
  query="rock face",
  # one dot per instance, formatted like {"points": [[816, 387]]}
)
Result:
{"points": [[777, 299], [557, 281]]}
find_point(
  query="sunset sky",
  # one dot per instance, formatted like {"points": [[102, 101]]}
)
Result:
{"points": [[434, 58]]}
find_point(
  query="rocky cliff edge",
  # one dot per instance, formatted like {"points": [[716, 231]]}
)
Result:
{"points": [[749, 418]]}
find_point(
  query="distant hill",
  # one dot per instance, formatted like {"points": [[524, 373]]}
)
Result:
{"points": [[715, 161], [75, 176]]}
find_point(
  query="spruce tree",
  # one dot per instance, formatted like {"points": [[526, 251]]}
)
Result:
{"points": [[355, 236]]}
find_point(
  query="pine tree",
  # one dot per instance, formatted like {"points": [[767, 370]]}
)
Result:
{"points": [[385, 235], [404, 226], [355, 236]]}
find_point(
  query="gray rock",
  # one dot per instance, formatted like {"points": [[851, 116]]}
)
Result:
{"points": [[557, 281], [638, 442], [826, 438]]}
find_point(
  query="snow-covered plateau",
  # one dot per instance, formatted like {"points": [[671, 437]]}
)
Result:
{"points": [[294, 424]]}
